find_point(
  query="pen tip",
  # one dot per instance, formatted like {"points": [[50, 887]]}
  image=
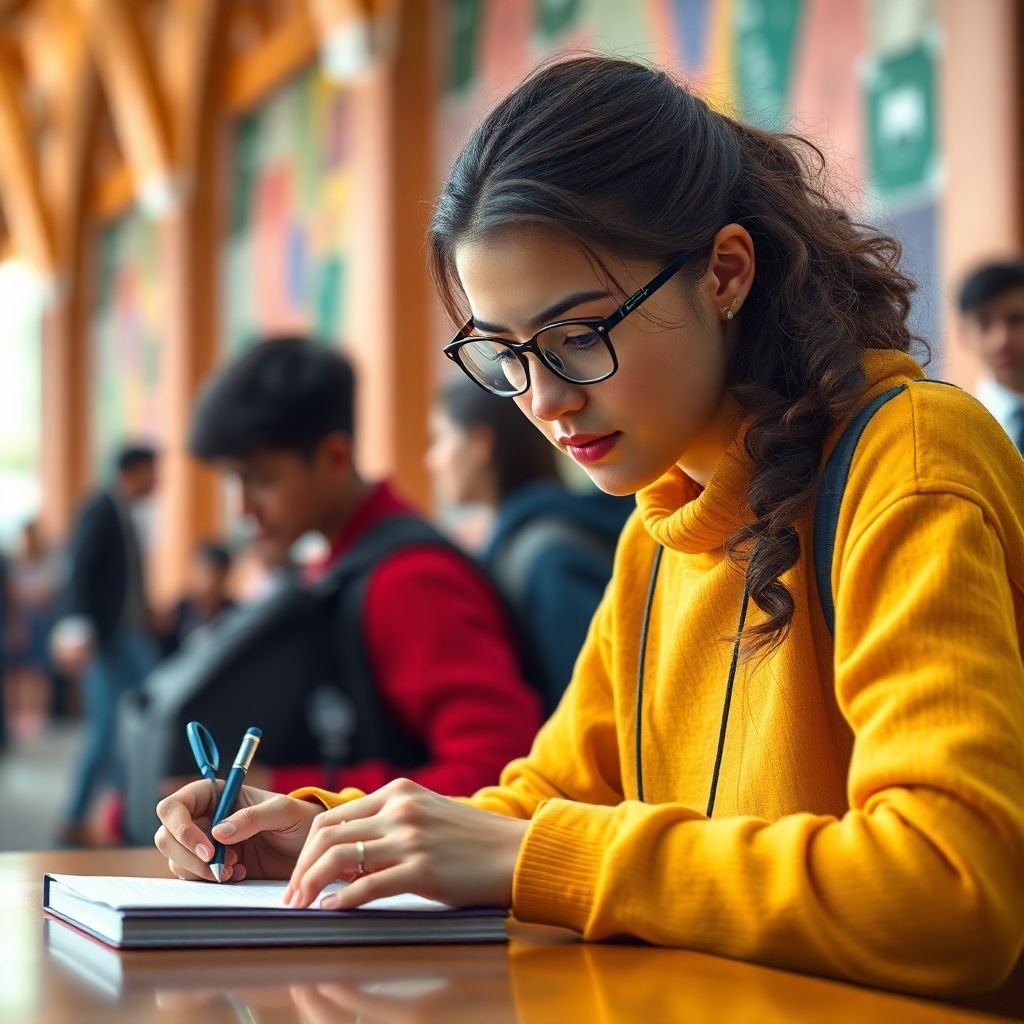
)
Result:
{"points": [[217, 870]]}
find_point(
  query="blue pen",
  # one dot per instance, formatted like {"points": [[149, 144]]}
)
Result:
{"points": [[226, 804]]}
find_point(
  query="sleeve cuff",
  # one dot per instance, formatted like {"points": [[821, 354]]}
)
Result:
{"points": [[314, 794], [559, 865]]}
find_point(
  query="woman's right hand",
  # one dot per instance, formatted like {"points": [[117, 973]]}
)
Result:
{"points": [[261, 839]]}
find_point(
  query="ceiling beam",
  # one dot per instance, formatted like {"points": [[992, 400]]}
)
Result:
{"points": [[20, 181], [132, 87]]}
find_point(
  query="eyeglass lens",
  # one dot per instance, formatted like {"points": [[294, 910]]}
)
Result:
{"points": [[574, 350]]}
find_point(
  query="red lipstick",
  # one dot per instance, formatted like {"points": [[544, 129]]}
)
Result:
{"points": [[587, 448]]}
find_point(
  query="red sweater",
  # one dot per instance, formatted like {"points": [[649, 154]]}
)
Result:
{"points": [[442, 652]]}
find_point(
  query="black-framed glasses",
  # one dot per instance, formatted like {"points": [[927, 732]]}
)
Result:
{"points": [[578, 351]]}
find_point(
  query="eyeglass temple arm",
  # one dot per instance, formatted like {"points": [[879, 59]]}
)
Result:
{"points": [[641, 296]]}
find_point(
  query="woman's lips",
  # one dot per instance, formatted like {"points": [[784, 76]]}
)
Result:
{"points": [[587, 448]]}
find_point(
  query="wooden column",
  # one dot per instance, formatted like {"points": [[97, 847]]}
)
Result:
{"points": [[393, 122], [980, 135], [62, 72], [191, 237]]}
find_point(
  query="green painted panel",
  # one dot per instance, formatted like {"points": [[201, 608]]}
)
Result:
{"points": [[766, 35]]}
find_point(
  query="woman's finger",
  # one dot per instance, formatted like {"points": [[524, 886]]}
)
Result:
{"points": [[368, 806], [393, 880], [278, 814], [195, 865], [178, 814], [188, 876], [320, 840], [342, 863]]}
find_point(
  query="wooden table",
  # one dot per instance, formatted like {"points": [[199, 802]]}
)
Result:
{"points": [[51, 972]]}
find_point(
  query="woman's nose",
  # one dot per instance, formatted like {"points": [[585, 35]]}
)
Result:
{"points": [[551, 397]]}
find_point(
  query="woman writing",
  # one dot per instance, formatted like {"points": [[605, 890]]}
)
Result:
{"points": [[670, 297]]}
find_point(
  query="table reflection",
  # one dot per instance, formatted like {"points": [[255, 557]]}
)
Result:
{"points": [[368, 984], [537, 979]]}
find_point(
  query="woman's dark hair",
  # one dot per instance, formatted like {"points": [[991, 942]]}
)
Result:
{"points": [[521, 453], [622, 159]]}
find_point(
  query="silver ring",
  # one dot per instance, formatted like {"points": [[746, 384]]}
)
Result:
{"points": [[361, 854]]}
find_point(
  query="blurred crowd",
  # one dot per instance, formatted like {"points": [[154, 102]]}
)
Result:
{"points": [[450, 642], [370, 643]]}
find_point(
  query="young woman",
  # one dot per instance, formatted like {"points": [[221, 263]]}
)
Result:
{"points": [[672, 298]]}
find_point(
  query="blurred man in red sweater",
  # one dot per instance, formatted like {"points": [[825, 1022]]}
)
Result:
{"points": [[450, 698]]}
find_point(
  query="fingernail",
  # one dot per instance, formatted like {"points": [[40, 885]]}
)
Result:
{"points": [[226, 828], [286, 896], [203, 852], [296, 899], [329, 902]]}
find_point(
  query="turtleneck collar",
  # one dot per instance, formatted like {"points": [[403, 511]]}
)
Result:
{"points": [[680, 515]]}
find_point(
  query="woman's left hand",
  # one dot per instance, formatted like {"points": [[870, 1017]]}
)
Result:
{"points": [[412, 840]]}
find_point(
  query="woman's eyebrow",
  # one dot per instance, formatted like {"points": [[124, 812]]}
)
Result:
{"points": [[546, 315]]}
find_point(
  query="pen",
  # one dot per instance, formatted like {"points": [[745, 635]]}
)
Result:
{"points": [[228, 796]]}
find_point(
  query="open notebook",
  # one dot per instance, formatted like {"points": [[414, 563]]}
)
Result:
{"points": [[136, 913]]}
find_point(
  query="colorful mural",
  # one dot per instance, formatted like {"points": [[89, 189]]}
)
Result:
{"points": [[126, 337], [858, 78], [287, 247]]}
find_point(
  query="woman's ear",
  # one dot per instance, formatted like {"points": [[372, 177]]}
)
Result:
{"points": [[730, 273]]}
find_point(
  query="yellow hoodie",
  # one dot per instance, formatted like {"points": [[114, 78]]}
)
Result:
{"points": [[869, 819]]}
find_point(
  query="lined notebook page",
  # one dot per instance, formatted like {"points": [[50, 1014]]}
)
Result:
{"points": [[172, 893]]}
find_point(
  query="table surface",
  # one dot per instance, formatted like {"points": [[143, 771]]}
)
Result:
{"points": [[52, 972]]}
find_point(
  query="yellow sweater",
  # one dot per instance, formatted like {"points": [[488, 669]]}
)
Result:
{"points": [[869, 820]]}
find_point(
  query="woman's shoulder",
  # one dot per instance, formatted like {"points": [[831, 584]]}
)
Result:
{"points": [[934, 437]]}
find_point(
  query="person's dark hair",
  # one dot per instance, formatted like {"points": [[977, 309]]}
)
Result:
{"points": [[521, 453], [214, 553], [989, 282], [131, 456], [283, 394], [622, 159]]}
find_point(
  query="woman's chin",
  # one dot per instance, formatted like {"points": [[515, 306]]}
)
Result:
{"points": [[617, 481]]}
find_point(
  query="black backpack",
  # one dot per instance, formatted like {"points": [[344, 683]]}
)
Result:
{"points": [[295, 664]]}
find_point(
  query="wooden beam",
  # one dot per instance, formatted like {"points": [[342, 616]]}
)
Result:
{"points": [[132, 87], [20, 184], [251, 76]]}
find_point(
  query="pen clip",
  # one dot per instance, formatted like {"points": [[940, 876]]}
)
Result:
{"points": [[204, 749]]}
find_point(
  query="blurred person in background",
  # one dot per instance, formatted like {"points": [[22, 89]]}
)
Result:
{"points": [[549, 550], [103, 634], [33, 590], [5, 621], [207, 600], [991, 305], [263, 567], [449, 700]]}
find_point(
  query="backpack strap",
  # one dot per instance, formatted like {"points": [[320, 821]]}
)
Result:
{"points": [[830, 496], [517, 556], [344, 588], [382, 539]]}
